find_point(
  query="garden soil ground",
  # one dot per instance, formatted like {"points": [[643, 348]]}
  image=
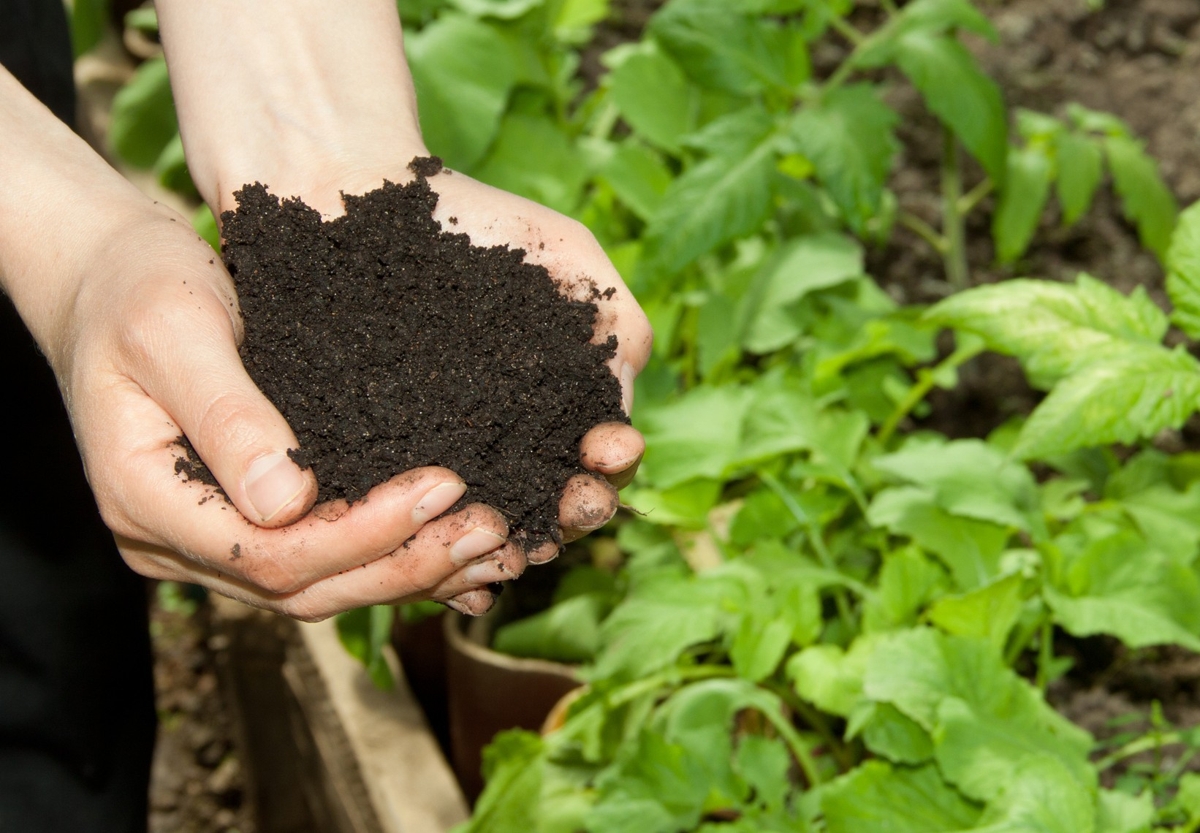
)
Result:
{"points": [[1139, 59]]}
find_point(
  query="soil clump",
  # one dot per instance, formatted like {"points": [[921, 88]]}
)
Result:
{"points": [[389, 343]]}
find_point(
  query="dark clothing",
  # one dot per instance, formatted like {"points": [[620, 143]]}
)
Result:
{"points": [[76, 691]]}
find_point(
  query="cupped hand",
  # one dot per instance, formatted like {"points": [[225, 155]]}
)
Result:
{"points": [[578, 264], [147, 352]]}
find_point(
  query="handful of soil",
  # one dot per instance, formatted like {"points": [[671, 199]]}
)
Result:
{"points": [[388, 343]]}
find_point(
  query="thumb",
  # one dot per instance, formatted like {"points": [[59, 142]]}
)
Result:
{"points": [[195, 374]]}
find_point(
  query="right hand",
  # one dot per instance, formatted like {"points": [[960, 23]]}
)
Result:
{"points": [[148, 351]]}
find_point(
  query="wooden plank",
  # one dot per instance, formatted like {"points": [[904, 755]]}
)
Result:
{"points": [[407, 780]]}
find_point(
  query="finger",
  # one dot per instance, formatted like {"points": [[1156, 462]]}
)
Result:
{"points": [[473, 602], [543, 554], [409, 573], [587, 504], [614, 450], [183, 353]]}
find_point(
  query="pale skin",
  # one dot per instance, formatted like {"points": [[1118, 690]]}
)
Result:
{"points": [[140, 321]]}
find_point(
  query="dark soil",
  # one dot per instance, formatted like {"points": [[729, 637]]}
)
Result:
{"points": [[388, 343]]}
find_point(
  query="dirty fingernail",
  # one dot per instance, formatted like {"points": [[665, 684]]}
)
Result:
{"points": [[437, 500], [628, 374], [475, 543], [472, 602], [272, 482], [487, 572]]}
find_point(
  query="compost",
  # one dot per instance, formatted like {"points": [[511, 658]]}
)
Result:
{"points": [[389, 343]]}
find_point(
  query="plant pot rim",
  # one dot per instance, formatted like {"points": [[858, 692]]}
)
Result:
{"points": [[469, 635]]}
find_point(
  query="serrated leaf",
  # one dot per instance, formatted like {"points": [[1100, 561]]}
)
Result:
{"points": [[1122, 587], [1118, 812], [463, 70], [848, 135], [143, 115], [1026, 190], [1121, 399], [802, 266], [565, 632], [722, 49], [513, 770], [654, 97], [1055, 329], [1080, 169], [1183, 272], [694, 436], [1145, 198], [960, 94], [829, 677], [969, 478], [879, 797], [713, 203]]}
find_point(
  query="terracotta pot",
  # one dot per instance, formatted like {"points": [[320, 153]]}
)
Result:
{"points": [[490, 692]]}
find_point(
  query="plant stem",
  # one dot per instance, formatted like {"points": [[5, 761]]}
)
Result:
{"points": [[847, 31], [1140, 745], [925, 231], [926, 381], [889, 6], [955, 256], [816, 720], [973, 197], [1045, 653], [818, 541]]}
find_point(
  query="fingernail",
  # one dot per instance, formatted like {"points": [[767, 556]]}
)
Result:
{"points": [[272, 482], [475, 543], [628, 374], [437, 500], [472, 602], [487, 572]]}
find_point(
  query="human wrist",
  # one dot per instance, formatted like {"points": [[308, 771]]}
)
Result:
{"points": [[297, 94]]}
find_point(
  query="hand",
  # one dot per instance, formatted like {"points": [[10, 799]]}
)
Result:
{"points": [[312, 119]]}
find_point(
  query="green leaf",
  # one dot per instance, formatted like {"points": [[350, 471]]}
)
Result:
{"points": [[1117, 812], [143, 116], [1026, 190], [1055, 329], [969, 548], [758, 646], [802, 266], [364, 633], [960, 94], [502, 9], [970, 479], [554, 176], [1080, 169], [713, 203], [879, 797], [1122, 399], [1183, 272], [831, 678], [722, 49], [171, 168], [984, 719], [653, 96], [205, 225], [659, 622], [988, 612], [692, 436], [463, 70], [1169, 519], [1120, 586], [1041, 796], [565, 632], [89, 19], [512, 767], [764, 764], [908, 580], [1145, 198], [889, 732], [849, 136], [638, 177]]}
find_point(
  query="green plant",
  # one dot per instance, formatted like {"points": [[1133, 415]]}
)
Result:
{"points": [[829, 618]]}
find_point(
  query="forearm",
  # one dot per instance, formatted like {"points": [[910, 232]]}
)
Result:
{"points": [[59, 204], [291, 93]]}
